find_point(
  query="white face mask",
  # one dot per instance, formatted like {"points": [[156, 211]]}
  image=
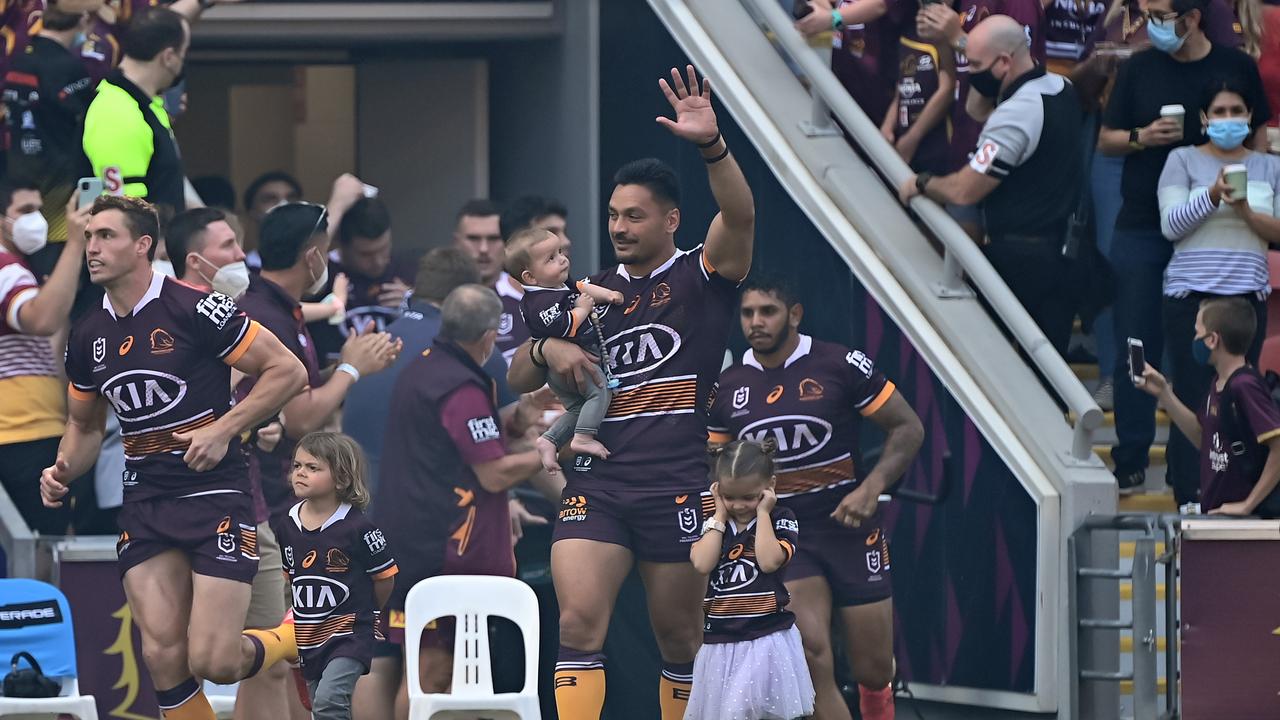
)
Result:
{"points": [[164, 267], [321, 281], [30, 233], [231, 279]]}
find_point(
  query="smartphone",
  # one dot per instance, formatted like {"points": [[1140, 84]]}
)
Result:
{"points": [[89, 188], [1137, 360]]}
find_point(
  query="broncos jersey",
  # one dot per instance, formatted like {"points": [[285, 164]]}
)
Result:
{"points": [[742, 601]]}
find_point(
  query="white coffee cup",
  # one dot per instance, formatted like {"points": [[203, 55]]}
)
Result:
{"points": [[1237, 176], [1176, 112]]}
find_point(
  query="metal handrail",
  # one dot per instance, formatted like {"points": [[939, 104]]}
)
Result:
{"points": [[959, 247]]}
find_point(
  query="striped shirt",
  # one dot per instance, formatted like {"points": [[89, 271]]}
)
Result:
{"points": [[32, 401], [1215, 251]]}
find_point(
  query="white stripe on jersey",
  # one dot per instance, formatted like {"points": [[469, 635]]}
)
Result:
{"points": [[649, 414], [144, 431], [22, 297], [244, 328]]}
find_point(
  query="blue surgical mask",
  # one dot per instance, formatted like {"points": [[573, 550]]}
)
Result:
{"points": [[1228, 133], [1200, 351], [1164, 36]]}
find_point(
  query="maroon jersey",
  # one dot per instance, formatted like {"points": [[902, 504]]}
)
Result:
{"points": [[863, 56], [742, 602], [18, 21], [164, 368], [101, 49], [1068, 25], [363, 309], [268, 304], [1224, 476], [665, 344], [442, 420], [811, 405], [512, 331], [919, 75], [965, 130], [331, 571]]}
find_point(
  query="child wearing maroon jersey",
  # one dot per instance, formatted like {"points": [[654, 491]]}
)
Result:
{"points": [[751, 665], [339, 566], [552, 309], [916, 124]]}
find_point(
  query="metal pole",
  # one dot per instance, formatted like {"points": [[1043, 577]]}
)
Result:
{"points": [[18, 540], [1145, 704]]}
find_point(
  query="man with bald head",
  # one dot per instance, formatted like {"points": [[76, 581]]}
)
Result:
{"points": [[1025, 171], [445, 471]]}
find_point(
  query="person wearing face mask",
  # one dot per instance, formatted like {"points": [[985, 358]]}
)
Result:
{"points": [[1025, 172], [1180, 67], [126, 126], [205, 252], [32, 394], [1220, 238], [294, 244], [1236, 424]]}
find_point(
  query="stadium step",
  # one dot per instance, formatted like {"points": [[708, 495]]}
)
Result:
{"points": [[1126, 644], [1128, 547], [1126, 591], [1109, 418], [1157, 455], [1085, 371], [1126, 686]]}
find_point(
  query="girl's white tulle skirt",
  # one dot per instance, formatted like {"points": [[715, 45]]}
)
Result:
{"points": [[762, 679]]}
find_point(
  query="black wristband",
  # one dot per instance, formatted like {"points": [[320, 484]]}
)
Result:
{"points": [[922, 180], [534, 358], [718, 158], [711, 143]]}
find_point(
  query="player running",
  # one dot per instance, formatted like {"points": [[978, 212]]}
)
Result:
{"points": [[666, 342], [809, 396], [160, 353]]}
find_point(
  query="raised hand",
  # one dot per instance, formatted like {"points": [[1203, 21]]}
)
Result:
{"points": [[695, 119]]}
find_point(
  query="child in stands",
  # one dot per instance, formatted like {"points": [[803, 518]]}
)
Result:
{"points": [[1237, 427], [751, 665], [552, 309], [339, 566]]}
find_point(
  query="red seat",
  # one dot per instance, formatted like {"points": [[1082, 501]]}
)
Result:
{"points": [[1270, 358], [1273, 301]]}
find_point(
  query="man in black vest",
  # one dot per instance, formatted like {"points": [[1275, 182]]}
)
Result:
{"points": [[1026, 171], [446, 470]]}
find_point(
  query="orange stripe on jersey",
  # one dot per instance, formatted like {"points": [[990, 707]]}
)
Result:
{"points": [[706, 264], [681, 395], [162, 441], [310, 636], [576, 317], [741, 606], [389, 572], [78, 394], [885, 393], [718, 437], [788, 550], [242, 347], [792, 482], [708, 505]]}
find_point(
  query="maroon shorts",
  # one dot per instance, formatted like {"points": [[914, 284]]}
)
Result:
{"points": [[217, 532], [437, 634], [654, 526], [854, 561]]}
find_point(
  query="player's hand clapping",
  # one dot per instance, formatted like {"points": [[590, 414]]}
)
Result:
{"points": [[53, 483], [392, 294], [371, 352]]}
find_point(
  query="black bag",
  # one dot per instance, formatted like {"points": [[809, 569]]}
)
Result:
{"points": [[29, 682], [1248, 452]]}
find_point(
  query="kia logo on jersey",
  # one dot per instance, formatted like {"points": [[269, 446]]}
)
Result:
{"points": [[316, 597], [143, 394], [798, 436], [642, 349], [734, 575]]}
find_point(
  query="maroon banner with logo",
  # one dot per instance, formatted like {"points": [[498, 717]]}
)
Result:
{"points": [[108, 650], [1230, 621]]}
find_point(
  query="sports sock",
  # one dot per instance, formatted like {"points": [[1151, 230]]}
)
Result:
{"points": [[272, 646], [579, 684], [673, 689], [876, 704], [185, 702]]}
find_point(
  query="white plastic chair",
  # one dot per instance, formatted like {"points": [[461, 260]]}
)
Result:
{"points": [[222, 699], [472, 599], [53, 646]]}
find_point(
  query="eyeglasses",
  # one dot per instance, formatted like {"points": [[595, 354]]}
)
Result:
{"points": [[324, 212], [1161, 18]]}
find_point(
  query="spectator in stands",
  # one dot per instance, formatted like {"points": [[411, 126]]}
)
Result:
{"points": [[102, 45], [365, 418], [126, 126], [1176, 71], [32, 391], [943, 24], [1220, 246], [535, 211], [1068, 27], [46, 95], [479, 234], [1025, 172], [216, 191], [916, 122], [207, 256], [265, 192], [1237, 429], [295, 242], [376, 292], [864, 45], [446, 470]]}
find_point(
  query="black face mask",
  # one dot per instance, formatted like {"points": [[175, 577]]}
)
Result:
{"points": [[985, 82]]}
